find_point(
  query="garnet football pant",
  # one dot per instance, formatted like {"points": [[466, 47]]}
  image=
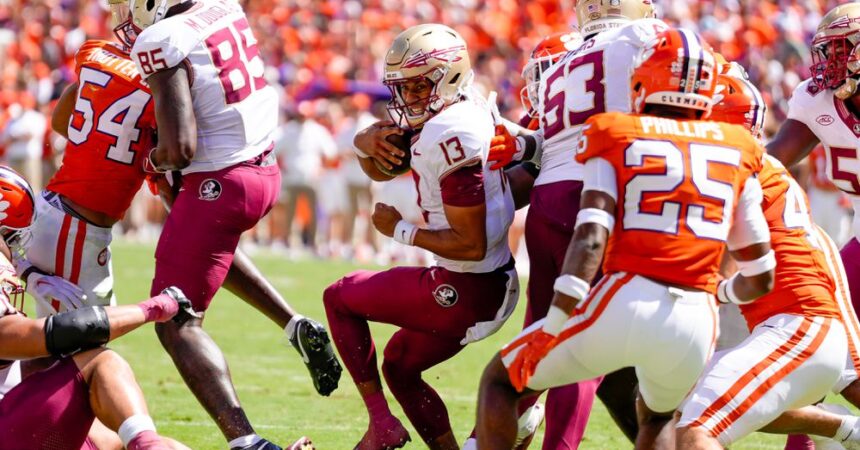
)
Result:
{"points": [[210, 213], [435, 309], [48, 410], [666, 333], [549, 229], [73, 249], [787, 362]]}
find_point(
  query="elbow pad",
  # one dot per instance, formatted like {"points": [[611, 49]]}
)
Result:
{"points": [[74, 331]]}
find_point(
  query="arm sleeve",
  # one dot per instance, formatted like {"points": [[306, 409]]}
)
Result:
{"points": [[749, 226], [600, 176], [464, 187]]}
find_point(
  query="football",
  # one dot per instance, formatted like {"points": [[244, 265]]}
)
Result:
{"points": [[403, 142]]}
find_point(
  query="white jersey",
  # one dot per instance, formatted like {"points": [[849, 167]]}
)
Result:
{"points": [[459, 137], [236, 110], [839, 132], [592, 79]]}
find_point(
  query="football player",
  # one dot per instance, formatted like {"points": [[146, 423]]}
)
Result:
{"points": [[473, 288], [798, 346], [215, 116], [825, 109], [598, 72], [57, 406], [663, 193]]}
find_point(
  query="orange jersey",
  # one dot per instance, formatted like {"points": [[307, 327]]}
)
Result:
{"points": [[110, 132], [803, 284], [674, 181]]}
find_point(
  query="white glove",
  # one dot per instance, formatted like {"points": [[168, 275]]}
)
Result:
{"points": [[45, 288]]}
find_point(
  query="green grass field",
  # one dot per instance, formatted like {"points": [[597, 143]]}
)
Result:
{"points": [[272, 382]]}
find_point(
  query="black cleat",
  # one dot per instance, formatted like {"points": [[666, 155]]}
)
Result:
{"points": [[260, 445], [311, 340]]}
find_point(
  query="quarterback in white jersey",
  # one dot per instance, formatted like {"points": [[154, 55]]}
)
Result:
{"points": [[468, 208], [216, 116]]}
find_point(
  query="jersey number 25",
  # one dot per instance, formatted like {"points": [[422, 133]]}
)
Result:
{"points": [[714, 193]]}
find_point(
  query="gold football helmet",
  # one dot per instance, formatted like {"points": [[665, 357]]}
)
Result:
{"points": [[595, 16], [433, 52]]}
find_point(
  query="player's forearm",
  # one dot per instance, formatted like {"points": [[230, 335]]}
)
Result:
{"points": [[63, 110], [174, 116], [124, 319], [449, 244], [521, 182], [583, 257], [22, 338]]}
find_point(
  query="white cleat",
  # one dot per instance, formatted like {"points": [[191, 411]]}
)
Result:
{"points": [[528, 424]]}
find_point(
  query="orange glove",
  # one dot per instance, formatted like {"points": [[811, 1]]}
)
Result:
{"points": [[503, 148], [521, 370]]}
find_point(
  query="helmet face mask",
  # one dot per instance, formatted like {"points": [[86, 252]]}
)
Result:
{"points": [[834, 60], [835, 51], [123, 28], [408, 108]]}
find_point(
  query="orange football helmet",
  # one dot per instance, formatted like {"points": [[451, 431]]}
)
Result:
{"points": [[737, 101], [17, 204], [546, 53], [678, 69]]}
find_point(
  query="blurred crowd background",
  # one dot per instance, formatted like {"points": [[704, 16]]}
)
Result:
{"points": [[325, 57]]}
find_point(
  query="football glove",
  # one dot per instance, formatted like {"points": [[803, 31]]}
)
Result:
{"points": [[523, 367]]}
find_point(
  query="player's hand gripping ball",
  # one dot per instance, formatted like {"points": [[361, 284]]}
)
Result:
{"points": [[403, 142]]}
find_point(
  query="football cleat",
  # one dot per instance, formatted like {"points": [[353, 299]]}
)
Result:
{"points": [[528, 424], [311, 340], [262, 444]]}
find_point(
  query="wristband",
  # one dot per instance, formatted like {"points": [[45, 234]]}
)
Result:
{"points": [[360, 153], [726, 292], [522, 145], [149, 165], [595, 215], [757, 266], [571, 286], [555, 320], [404, 232]]}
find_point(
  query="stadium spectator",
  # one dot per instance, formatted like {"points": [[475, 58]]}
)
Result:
{"points": [[24, 137], [333, 49]]}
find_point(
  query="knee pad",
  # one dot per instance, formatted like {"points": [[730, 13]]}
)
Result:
{"points": [[73, 331]]}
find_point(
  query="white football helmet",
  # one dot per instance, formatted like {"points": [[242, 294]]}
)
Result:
{"points": [[436, 53], [595, 16]]}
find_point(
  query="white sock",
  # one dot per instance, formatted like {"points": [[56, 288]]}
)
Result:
{"points": [[848, 429], [290, 329], [133, 426], [244, 441]]}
